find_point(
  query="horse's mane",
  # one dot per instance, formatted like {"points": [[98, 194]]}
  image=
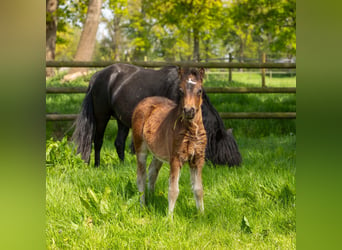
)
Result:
{"points": [[171, 79], [213, 111], [221, 146]]}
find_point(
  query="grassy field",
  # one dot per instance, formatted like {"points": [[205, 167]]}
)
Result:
{"points": [[250, 207]]}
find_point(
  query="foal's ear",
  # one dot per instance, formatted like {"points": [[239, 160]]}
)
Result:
{"points": [[180, 72], [201, 71]]}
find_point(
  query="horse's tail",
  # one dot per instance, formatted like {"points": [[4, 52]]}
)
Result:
{"points": [[85, 127]]}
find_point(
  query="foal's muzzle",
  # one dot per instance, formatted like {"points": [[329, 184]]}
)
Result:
{"points": [[189, 113]]}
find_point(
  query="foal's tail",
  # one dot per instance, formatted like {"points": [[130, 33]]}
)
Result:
{"points": [[85, 127]]}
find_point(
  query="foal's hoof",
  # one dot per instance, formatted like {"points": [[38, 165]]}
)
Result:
{"points": [[170, 216], [142, 200]]}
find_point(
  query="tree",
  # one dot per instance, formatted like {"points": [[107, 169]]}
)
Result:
{"points": [[114, 27], [179, 29], [51, 31], [67, 42], [236, 33], [87, 41], [138, 29], [193, 18], [273, 22], [61, 17]]}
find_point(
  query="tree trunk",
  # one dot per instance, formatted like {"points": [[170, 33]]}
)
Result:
{"points": [[242, 49], [116, 37], [206, 45], [189, 42], [196, 45], [86, 45], [51, 30]]}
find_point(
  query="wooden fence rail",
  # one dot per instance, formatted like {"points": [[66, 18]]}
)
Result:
{"points": [[267, 65], [218, 90], [224, 115]]}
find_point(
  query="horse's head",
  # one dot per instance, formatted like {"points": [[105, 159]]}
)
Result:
{"points": [[190, 91]]}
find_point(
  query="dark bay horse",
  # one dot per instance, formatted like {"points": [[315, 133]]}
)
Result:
{"points": [[117, 89], [172, 132]]}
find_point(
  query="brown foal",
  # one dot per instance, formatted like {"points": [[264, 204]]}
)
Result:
{"points": [[174, 133]]}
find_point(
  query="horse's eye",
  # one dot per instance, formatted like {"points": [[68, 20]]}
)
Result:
{"points": [[181, 92], [199, 92]]}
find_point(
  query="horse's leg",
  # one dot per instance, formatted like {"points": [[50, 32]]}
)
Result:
{"points": [[101, 123], [196, 183], [121, 140], [153, 171], [173, 185], [132, 147]]}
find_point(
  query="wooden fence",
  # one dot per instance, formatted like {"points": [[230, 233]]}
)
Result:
{"points": [[229, 65], [217, 65]]}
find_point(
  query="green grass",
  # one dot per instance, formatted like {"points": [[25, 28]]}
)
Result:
{"points": [[99, 208], [250, 207], [255, 103]]}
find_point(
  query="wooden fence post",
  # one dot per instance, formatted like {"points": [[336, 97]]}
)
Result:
{"points": [[230, 69], [263, 71]]}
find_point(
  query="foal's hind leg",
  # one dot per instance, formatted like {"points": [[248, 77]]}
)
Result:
{"points": [[141, 153], [153, 171]]}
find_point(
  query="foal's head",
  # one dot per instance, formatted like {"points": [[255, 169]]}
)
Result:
{"points": [[190, 91]]}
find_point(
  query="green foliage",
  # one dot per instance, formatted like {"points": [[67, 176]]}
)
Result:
{"points": [[72, 12], [273, 23], [245, 227], [61, 152], [96, 207], [190, 18], [66, 43], [165, 30]]}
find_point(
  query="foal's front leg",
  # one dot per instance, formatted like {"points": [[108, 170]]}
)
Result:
{"points": [[173, 185], [196, 182]]}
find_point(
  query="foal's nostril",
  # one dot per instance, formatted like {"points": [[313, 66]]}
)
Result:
{"points": [[189, 112]]}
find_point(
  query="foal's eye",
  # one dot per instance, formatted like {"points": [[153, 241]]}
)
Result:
{"points": [[181, 92], [199, 92]]}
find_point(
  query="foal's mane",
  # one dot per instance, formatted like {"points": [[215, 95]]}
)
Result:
{"points": [[191, 71]]}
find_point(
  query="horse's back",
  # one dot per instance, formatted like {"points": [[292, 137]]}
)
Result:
{"points": [[108, 79], [120, 87], [152, 108]]}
